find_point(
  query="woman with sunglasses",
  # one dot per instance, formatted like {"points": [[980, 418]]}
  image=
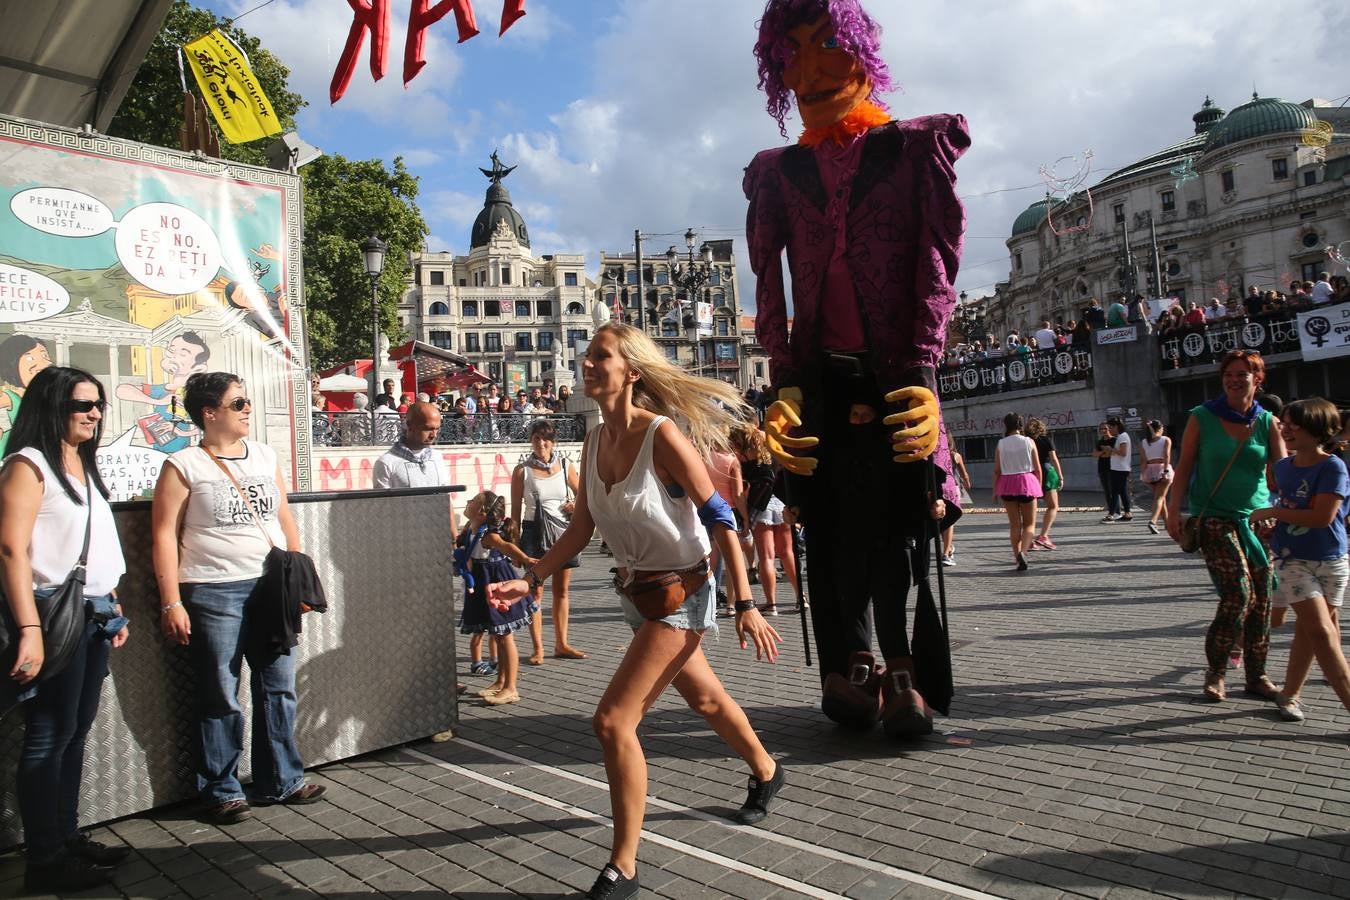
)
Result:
{"points": [[210, 545], [50, 492]]}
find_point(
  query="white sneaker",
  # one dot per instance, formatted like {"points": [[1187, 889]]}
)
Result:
{"points": [[949, 559]]}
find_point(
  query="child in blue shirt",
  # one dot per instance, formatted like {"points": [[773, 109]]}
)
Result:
{"points": [[1310, 548]]}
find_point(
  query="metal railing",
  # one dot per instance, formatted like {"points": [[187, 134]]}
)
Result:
{"points": [[353, 429], [1202, 344], [1020, 371]]}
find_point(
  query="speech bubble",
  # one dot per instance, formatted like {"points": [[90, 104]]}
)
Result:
{"points": [[168, 248], [26, 296], [129, 472], [62, 212]]}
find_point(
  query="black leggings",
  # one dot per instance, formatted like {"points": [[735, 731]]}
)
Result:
{"points": [[1104, 476], [1119, 495]]}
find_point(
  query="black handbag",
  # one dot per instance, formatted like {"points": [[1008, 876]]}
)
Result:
{"points": [[63, 616]]}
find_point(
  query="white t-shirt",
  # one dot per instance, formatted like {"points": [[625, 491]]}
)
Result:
{"points": [[1215, 312], [1321, 293], [58, 534], [220, 541], [1045, 337], [1014, 455], [1121, 463]]}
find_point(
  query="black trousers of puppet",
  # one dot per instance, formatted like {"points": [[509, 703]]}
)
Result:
{"points": [[865, 518]]}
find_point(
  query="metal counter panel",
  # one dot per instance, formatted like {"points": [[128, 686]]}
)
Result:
{"points": [[377, 669]]}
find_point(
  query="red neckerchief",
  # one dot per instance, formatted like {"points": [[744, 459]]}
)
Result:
{"points": [[860, 119]]}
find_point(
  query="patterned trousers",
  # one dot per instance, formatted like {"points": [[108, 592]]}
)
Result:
{"points": [[1244, 600]]}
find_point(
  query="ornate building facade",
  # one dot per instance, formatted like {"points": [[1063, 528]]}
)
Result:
{"points": [[519, 318], [1252, 197]]}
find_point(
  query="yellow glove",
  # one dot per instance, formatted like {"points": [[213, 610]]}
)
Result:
{"points": [[918, 436], [786, 413]]}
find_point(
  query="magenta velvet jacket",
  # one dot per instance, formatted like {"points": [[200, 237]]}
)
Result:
{"points": [[904, 230]]}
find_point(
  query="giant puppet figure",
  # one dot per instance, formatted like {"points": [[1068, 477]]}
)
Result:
{"points": [[866, 208]]}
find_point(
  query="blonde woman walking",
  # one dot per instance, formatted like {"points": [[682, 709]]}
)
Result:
{"points": [[645, 484]]}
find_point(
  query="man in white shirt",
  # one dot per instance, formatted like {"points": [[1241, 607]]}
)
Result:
{"points": [[1215, 310], [1045, 335], [1322, 291]]}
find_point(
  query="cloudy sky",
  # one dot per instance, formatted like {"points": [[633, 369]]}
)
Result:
{"points": [[643, 113]]}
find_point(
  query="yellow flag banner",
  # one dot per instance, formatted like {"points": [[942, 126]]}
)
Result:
{"points": [[235, 97]]}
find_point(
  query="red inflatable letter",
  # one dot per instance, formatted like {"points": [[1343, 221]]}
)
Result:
{"points": [[367, 15], [420, 19], [511, 11]]}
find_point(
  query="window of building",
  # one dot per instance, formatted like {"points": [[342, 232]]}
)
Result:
{"points": [[471, 344], [546, 340], [1312, 239], [569, 279], [669, 328], [492, 308], [495, 371], [439, 309], [438, 277], [759, 370], [524, 341], [1119, 211], [715, 277], [1173, 268], [575, 309], [672, 352], [723, 327], [1226, 180], [1279, 168], [545, 366], [492, 342], [506, 275], [726, 350], [1017, 260], [663, 277], [469, 309], [631, 276], [574, 335], [522, 309], [443, 339], [463, 283], [1169, 201], [1312, 269], [543, 308], [1310, 178]]}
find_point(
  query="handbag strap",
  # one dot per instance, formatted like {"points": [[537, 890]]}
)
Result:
{"points": [[252, 513], [88, 522], [1232, 459]]}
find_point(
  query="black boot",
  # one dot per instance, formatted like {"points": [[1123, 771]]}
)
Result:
{"points": [[83, 845], [67, 874]]}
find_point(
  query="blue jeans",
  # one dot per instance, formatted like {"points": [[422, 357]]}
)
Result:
{"points": [[51, 763], [219, 631]]}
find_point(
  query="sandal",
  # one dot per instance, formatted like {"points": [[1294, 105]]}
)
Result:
{"points": [[1214, 691], [502, 698], [569, 653], [1264, 688]]}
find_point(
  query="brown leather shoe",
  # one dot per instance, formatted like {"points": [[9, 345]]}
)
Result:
{"points": [[854, 701], [904, 714]]}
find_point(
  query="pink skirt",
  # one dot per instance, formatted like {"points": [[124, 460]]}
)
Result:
{"points": [[1023, 485]]}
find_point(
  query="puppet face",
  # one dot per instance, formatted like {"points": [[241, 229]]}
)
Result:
{"points": [[827, 80]]}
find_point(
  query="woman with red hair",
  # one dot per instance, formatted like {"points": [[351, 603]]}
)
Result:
{"points": [[1228, 454]]}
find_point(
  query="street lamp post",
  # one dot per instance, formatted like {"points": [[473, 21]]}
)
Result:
{"points": [[372, 248], [690, 277]]}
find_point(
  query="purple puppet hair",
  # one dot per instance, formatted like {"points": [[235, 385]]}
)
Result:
{"points": [[856, 31]]}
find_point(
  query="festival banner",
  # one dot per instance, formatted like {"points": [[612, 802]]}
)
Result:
{"points": [[143, 266], [1117, 335], [235, 97], [1324, 332]]}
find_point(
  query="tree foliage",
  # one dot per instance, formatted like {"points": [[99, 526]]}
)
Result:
{"points": [[153, 109], [346, 201]]}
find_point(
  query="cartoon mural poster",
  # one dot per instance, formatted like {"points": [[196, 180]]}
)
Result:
{"points": [[144, 266]]}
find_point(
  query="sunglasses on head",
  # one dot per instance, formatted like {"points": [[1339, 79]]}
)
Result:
{"points": [[238, 404], [84, 406]]}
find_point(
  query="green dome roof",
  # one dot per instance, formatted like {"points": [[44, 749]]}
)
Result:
{"points": [[1031, 218], [1257, 117]]}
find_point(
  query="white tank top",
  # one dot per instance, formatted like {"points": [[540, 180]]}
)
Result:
{"points": [[647, 529], [1154, 449], [1014, 454], [551, 490]]}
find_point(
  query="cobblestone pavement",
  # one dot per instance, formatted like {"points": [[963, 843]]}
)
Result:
{"points": [[1078, 761]]}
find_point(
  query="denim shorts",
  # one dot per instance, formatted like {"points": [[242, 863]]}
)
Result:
{"points": [[696, 613]]}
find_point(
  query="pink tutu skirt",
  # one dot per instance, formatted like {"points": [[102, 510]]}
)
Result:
{"points": [[1023, 485]]}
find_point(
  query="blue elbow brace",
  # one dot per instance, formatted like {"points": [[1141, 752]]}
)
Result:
{"points": [[715, 509]]}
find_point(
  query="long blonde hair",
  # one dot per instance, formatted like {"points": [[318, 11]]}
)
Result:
{"points": [[706, 409]]}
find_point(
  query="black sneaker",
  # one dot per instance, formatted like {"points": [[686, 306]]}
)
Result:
{"points": [[612, 885], [84, 846], [760, 796], [66, 874]]}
